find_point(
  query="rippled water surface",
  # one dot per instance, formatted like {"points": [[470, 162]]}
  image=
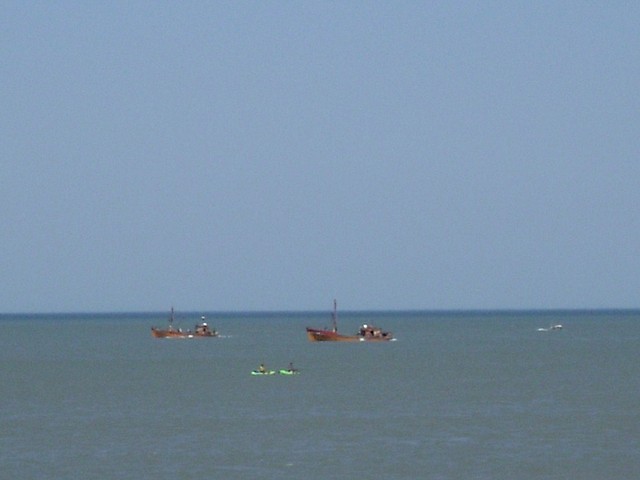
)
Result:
{"points": [[458, 395]]}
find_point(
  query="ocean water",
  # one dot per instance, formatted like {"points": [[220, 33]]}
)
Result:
{"points": [[458, 396]]}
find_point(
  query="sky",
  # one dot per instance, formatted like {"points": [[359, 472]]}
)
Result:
{"points": [[268, 156]]}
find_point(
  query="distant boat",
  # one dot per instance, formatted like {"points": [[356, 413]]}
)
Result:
{"points": [[366, 333], [551, 328], [201, 330]]}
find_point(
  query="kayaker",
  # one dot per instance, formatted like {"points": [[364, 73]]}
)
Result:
{"points": [[291, 369], [262, 368]]}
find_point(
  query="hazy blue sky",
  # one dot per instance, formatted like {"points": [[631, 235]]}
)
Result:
{"points": [[277, 155]]}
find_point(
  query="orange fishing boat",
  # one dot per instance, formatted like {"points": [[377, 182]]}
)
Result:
{"points": [[201, 330], [366, 333]]}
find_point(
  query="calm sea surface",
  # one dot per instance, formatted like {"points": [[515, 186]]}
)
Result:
{"points": [[457, 396]]}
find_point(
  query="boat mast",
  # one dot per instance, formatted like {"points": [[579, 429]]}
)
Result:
{"points": [[334, 316]]}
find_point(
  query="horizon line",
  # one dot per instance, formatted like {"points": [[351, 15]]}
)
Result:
{"points": [[471, 311]]}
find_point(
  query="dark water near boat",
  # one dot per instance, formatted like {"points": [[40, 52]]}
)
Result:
{"points": [[457, 396]]}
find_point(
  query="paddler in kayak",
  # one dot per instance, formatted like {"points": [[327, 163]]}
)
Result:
{"points": [[291, 369], [262, 368]]}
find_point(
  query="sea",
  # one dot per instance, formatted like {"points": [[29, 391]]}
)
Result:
{"points": [[457, 395]]}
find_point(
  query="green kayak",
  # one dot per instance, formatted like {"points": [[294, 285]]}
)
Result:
{"points": [[288, 372], [266, 372]]}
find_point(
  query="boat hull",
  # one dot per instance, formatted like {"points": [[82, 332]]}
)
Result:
{"points": [[316, 335], [160, 333]]}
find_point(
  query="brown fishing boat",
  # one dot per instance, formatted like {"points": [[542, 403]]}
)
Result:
{"points": [[201, 330], [366, 333]]}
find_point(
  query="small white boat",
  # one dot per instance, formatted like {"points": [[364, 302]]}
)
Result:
{"points": [[551, 328]]}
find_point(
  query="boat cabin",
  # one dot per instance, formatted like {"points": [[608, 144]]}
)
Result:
{"points": [[204, 330], [369, 331]]}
